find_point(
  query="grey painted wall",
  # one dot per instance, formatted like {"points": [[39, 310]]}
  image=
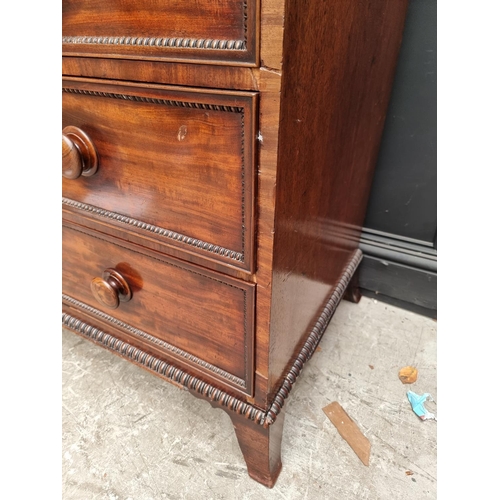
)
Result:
{"points": [[402, 211]]}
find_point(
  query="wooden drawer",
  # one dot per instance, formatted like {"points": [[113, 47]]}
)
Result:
{"points": [[176, 166], [195, 317], [219, 32]]}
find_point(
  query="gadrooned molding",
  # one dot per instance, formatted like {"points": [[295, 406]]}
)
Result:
{"points": [[158, 42], [163, 368], [209, 391], [154, 340]]}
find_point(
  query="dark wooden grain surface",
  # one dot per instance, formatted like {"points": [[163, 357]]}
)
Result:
{"points": [[223, 32], [170, 73], [182, 161], [205, 314], [330, 131]]}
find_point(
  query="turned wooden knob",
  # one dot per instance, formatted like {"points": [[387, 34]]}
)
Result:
{"points": [[79, 155], [111, 289]]}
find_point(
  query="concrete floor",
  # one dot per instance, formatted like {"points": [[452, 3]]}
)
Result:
{"points": [[127, 435]]}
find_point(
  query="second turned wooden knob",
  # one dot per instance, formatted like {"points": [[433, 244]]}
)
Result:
{"points": [[111, 289]]}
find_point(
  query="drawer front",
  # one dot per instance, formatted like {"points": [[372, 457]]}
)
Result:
{"points": [[175, 166], [219, 32], [199, 319]]}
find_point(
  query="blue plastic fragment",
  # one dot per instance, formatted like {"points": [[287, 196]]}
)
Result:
{"points": [[417, 404]]}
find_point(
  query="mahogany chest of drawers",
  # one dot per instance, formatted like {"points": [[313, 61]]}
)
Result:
{"points": [[217, 161]]}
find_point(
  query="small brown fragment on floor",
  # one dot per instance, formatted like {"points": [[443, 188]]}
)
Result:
{"points": [[371, 367], [318, 349], [409, 473], [349, 431], [408, 374]]}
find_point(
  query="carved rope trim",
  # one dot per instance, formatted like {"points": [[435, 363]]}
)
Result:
{"points": [[154, 340], [313, 340], [242, 186], [172, 235], [154, 100], [159, 42], [224, 399], [164, 369]]}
